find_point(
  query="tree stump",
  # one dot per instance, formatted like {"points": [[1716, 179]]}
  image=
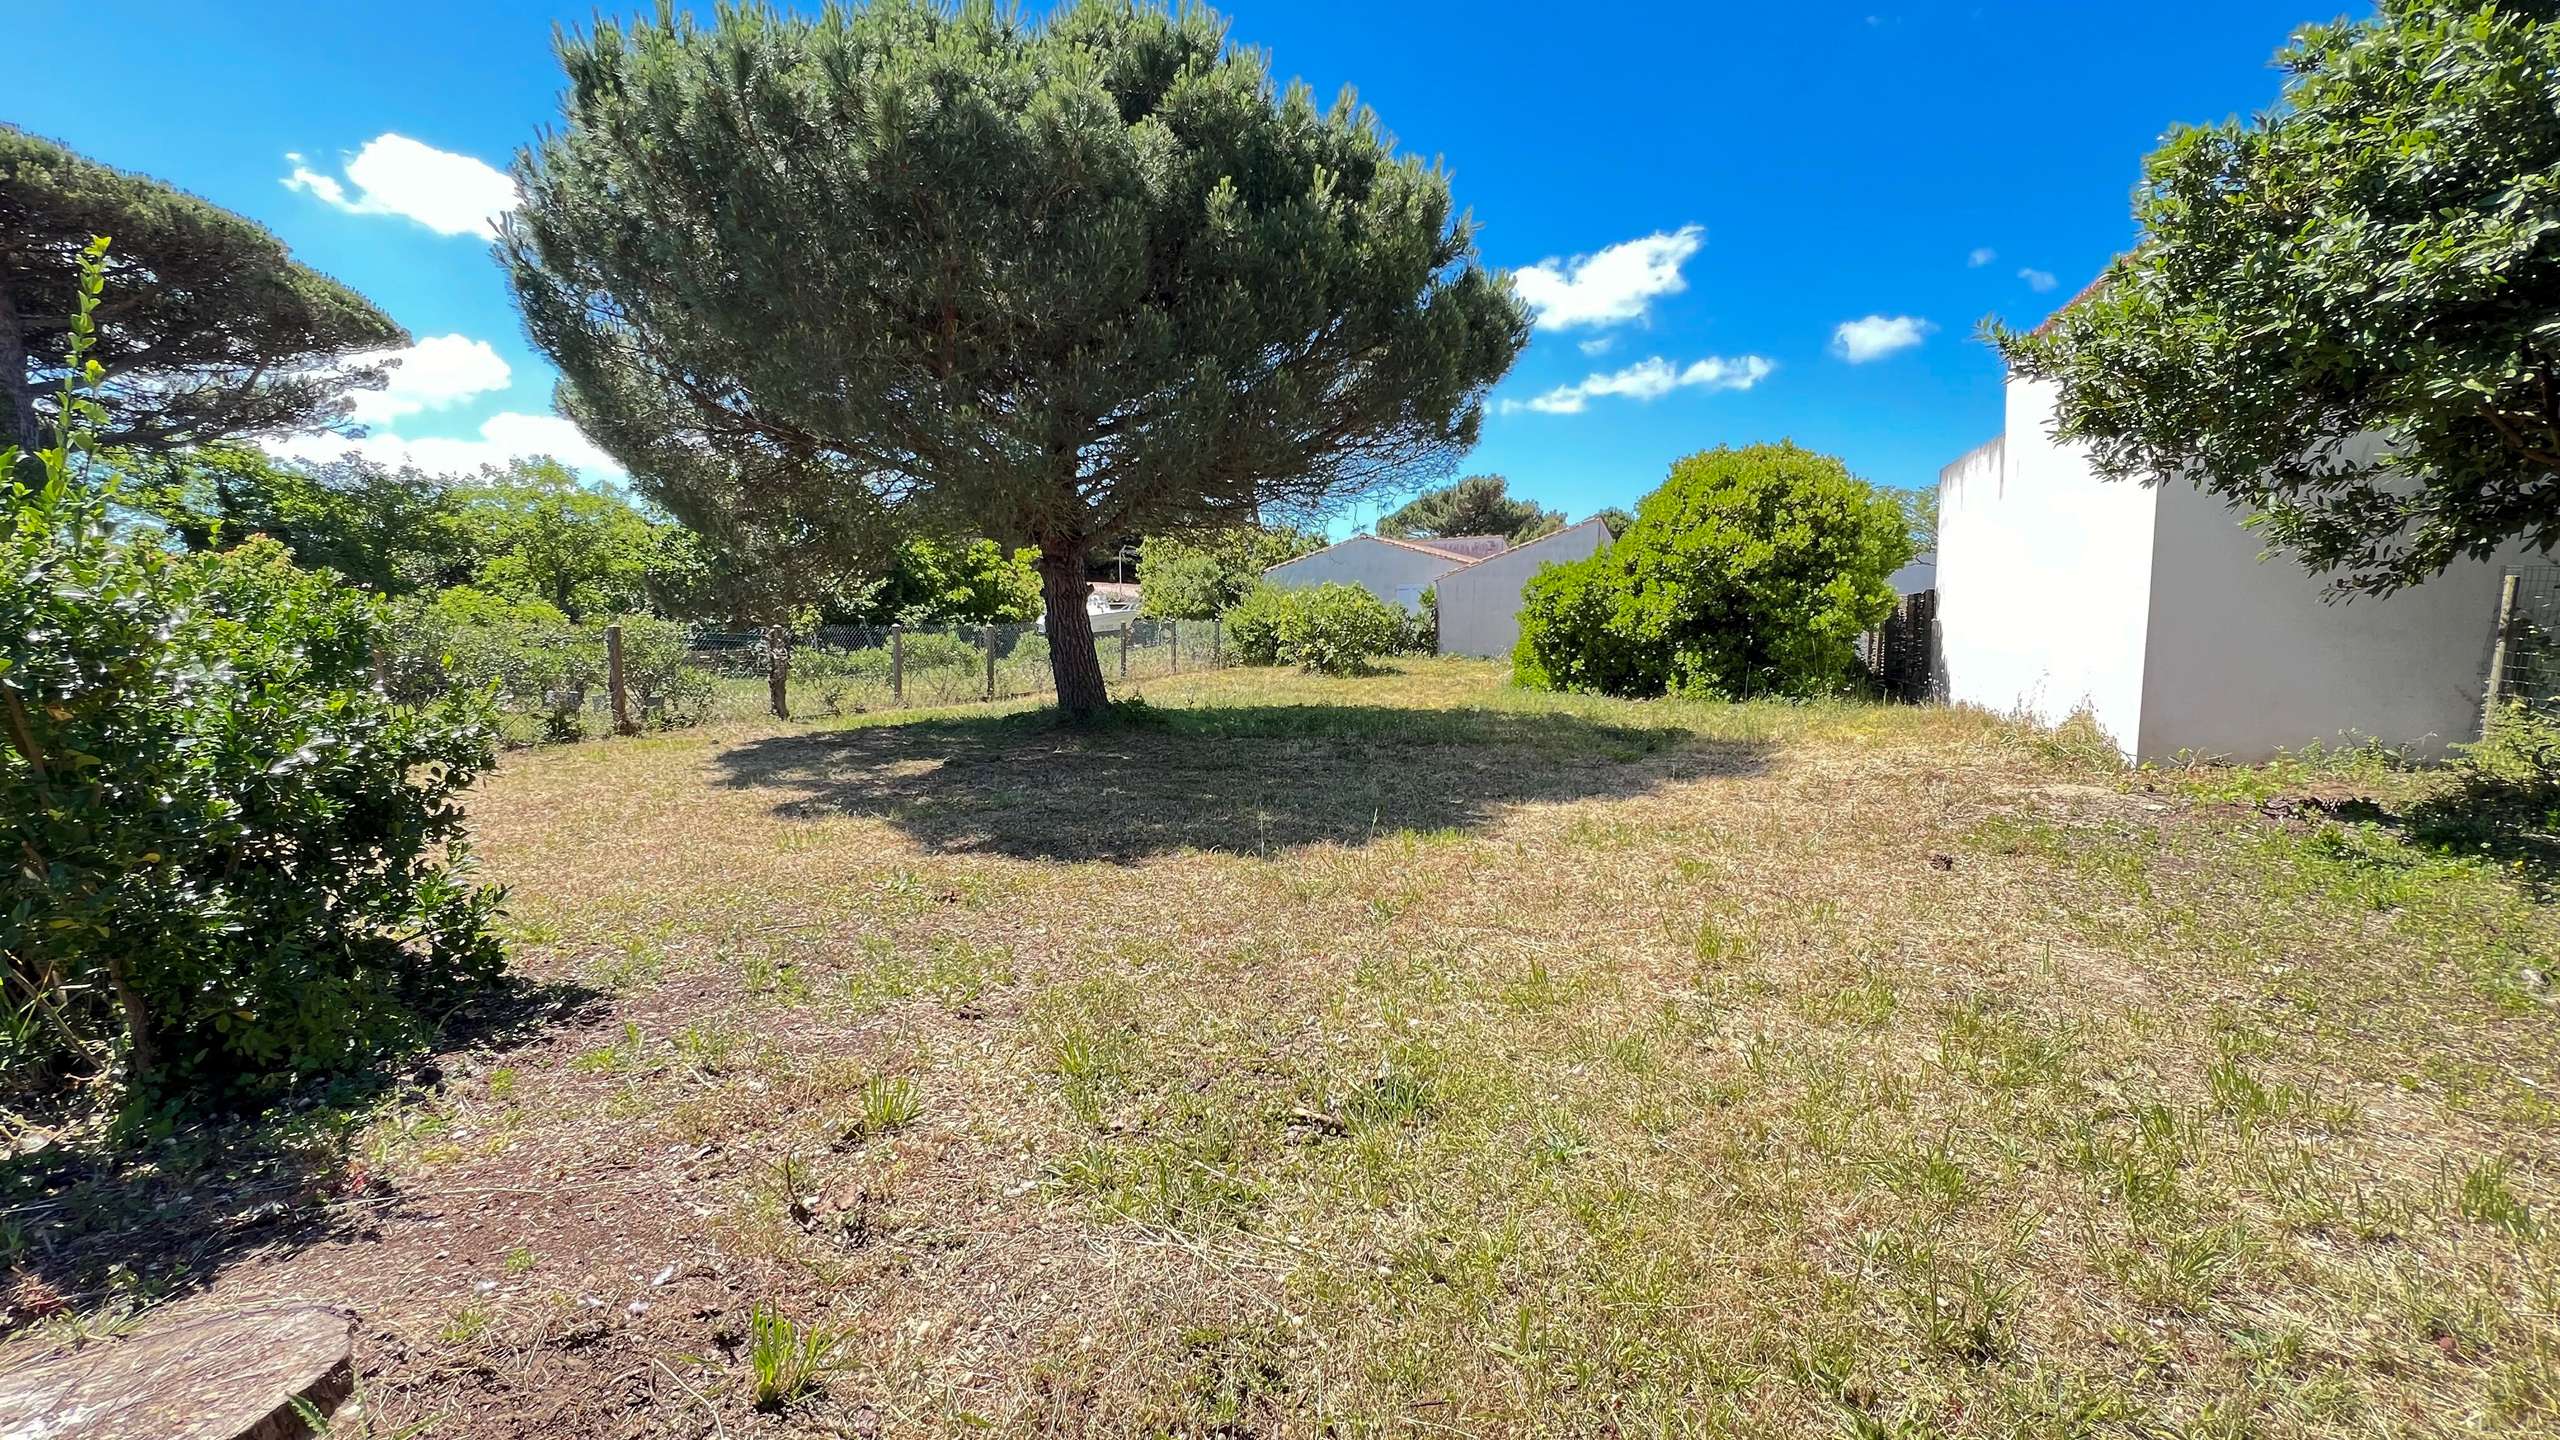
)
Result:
{"points": [[223, 1377]]}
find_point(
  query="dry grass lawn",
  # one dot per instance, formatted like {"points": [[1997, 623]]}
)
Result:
{"points": [[1410, 1056]]}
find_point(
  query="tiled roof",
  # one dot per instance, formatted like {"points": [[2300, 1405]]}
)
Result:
{"points": [[1440, 548], [1474, 546]]}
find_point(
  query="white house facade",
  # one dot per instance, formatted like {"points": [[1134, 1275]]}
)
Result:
{"points": [[1396, 571], [2149, 607], [1479, 604]]}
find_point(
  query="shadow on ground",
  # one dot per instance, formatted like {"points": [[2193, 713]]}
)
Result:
{"points": [[91, 1221], [1245, 779]]}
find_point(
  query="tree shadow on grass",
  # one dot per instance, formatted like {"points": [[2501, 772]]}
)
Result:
{"points": [[2513, 826], [1248, 779], [103, 1220]]}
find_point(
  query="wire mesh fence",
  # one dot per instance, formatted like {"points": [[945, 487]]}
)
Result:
{"points": [[849, 669], [2524, 655]]}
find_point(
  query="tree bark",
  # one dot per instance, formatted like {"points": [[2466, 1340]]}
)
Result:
{"points": [[1073, 662], [17, 385], [777, 669]]}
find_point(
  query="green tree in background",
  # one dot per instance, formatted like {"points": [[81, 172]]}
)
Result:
{"points": [[1200, 577], [2344, 314], [1050, 282], [943, 582], [389, 530], [529, 529], [1920, 517], [1619, 519], [213, 332], [1750, 572], [1476, 505], [540, 534]]}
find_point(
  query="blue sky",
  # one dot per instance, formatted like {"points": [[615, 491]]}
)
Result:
{"points": [[1702, 196]]}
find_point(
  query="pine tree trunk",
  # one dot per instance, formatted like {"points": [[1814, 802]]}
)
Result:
{"points": [[777, 669], [18, 424], [1073, 662]]}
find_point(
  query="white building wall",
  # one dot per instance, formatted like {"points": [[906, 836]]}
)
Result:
{"points": [[1480, 605], [1394, 573], [2150, 607], [2247, 658], [2044, 578]]}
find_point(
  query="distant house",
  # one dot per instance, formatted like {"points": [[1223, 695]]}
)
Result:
{"points": [[1479, 604], [1396, 571], [2149, 606], [1920, 574]]}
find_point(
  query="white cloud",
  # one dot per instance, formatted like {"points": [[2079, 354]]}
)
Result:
{"points": [[2038, 280], [436, 372], [395, 175], [1598, 345], [1610, 287], [503, 437], [1859, 341], [1648, 379], [1982, 255]]}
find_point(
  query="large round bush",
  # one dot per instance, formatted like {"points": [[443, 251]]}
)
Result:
{"points": [[235, 861], [1338, 629], [1253, 625], [1749, 572]]}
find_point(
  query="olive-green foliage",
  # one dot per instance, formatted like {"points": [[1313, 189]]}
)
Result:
{"points": [[1185, 577], [231, 860], [215, 332], [529, 529], [1332, 629], [1338, 629], [2372, 260], [1253, 625], [1750, 572], [943, 582], [953, 269], [532, 660]]}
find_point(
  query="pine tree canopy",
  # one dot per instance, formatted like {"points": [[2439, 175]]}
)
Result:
{"points": [[1476, 505], [209, 332], [1051, 282]]}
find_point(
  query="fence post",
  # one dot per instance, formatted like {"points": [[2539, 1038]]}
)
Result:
{"points": [[2498, 652], [897, 664], [1217, 627], [1127, 624], [987, 633], [614, 686], [1173, 635]]}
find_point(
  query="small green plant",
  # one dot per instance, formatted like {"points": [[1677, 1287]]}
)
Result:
{"points": [[888, 1103], [788, 1360]]}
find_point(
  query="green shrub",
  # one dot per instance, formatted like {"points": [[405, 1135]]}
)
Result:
{"points": [[1750, 572], [1338, 629], [1422, 628], [1253, 625], [666, 688], [2504, 804], [233, 861], [531, 660], [943, 650]]}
